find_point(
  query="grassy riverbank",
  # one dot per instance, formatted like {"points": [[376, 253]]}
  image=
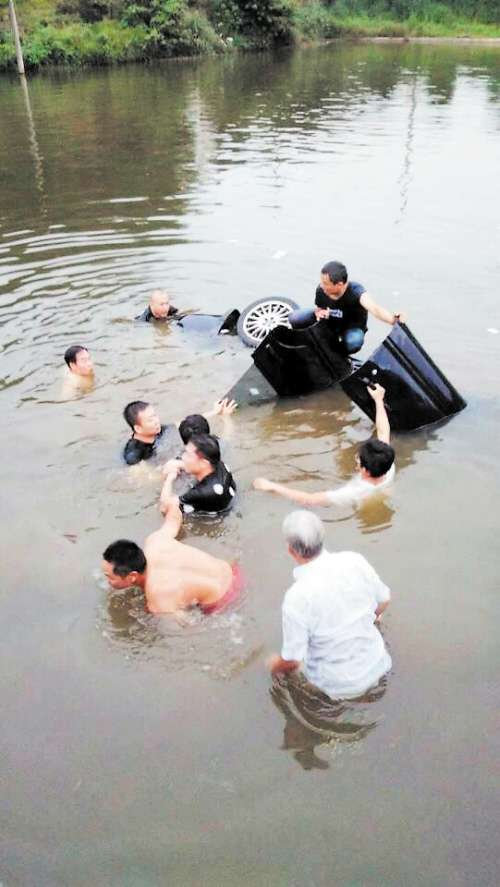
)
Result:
{"points": [[107, 32]]}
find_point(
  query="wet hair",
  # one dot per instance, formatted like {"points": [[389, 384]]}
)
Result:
{"points": [[71, 354], [335, 271], [376, 456], [193, 425], [207, 446], [132, 410], [304, 533], [126, 557]]}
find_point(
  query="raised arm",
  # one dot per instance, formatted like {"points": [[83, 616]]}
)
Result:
{"points": [[379, 312], [382, 426], [303, 498], [224, 407], [169, 506]]}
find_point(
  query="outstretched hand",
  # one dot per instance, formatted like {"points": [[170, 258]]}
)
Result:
{"points": [[224, 407], [261, 483]]}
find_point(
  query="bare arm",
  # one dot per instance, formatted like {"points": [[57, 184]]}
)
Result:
{"points": [[379, 312], [224, 409], [303, 498], [169, 506], [382, 426]]}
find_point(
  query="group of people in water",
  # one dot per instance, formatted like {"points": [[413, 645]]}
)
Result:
{"points": [[329, 614]]}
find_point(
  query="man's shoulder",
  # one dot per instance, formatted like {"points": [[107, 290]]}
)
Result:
{"points": [[214, 493], [344, 494], [355, 289], [146, 315], [133, 451]]}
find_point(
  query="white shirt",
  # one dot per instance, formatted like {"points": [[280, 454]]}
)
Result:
{"points": [[328, 623], [358, 488]]}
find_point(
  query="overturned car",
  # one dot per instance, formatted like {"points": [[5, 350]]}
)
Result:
{"points": [[291, 362]]}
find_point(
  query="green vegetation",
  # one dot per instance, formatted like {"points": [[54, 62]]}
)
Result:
{"points": [[105, 32]]}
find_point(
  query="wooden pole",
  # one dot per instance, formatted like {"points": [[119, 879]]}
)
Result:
{"points": [[19, 52]]}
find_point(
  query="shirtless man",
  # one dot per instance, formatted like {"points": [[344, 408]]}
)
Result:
{"points": [[159, 307], [375, 467], [80, 374], [174, 576]]}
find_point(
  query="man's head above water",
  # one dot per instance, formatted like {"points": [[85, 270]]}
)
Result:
{"points": [[376, 458], [124, 564], [159, 302], [201, 455], [143, 419], [78, 360], [193, 425]]}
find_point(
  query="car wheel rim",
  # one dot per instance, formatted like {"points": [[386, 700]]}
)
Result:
{"points": [[264, 318]]}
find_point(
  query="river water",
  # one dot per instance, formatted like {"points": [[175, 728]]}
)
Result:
{"points": [[137, 754]]}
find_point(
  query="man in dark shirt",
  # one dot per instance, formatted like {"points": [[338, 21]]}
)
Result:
{"points": [[147, 432], [159, 308], [345, 306], [214, 489]]}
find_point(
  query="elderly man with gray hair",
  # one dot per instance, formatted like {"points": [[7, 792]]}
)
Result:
{"points": [[329, 614]]}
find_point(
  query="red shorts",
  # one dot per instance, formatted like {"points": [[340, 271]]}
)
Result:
{"points": [[232, 594]]}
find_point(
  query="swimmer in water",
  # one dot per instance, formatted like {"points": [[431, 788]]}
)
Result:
{"points": [[214, 489], [159, 307], [174, 576], [375, 462], [148, 430], [80, 375]]}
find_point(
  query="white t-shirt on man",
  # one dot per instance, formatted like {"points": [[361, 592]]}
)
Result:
{"points": [[328, 623], [358, 488]]}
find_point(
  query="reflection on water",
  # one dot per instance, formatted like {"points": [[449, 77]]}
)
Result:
{"points": [[314, 719]]}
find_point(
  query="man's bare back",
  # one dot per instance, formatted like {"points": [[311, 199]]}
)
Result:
{"points": [[178, 575], [174, 576]]}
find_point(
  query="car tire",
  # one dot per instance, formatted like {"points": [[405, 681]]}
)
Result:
{"points": [[262, 316]]}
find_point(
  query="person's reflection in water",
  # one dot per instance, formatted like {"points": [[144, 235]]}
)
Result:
{"points": [[375, 515], [313, 718]]}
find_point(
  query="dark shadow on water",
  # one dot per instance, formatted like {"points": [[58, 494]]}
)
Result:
{"points": [[313, 718]]}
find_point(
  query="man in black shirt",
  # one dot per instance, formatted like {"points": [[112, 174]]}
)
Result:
{"points": [[345, 306], [147, 432], [159, 308], [214, 489]]}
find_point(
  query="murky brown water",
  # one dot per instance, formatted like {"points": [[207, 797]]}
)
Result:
{"points": [[139, 754]]}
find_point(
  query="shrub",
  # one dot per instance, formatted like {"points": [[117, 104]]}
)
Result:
{"points": [[258, 23], [314, 22]]}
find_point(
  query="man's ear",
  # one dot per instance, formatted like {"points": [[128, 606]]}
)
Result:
{"points": [[137, 429]]}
